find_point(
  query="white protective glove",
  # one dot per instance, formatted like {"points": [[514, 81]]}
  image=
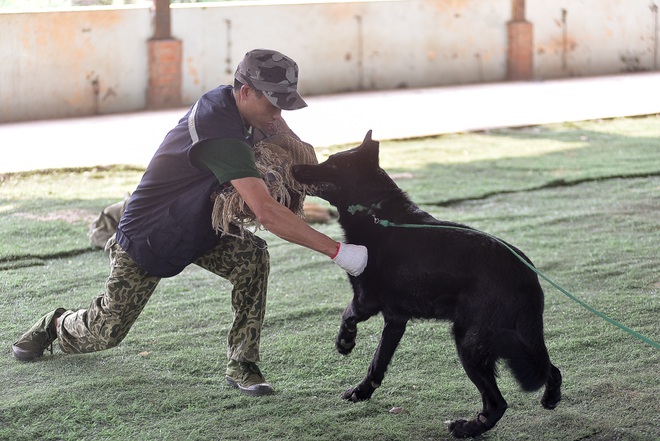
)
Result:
{"points": [[351, 258]]}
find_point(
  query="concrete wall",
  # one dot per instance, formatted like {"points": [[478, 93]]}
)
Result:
{"points": [[349, 46], [592, 37], [94, 60], [72, 63]]}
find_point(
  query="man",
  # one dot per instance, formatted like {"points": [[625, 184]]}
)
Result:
{"points": [[167, 223]]}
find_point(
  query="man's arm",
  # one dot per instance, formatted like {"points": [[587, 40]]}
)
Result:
{"points": [[279, 220]]}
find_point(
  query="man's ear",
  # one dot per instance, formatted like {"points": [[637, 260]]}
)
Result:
{"points": [[244, 91]]}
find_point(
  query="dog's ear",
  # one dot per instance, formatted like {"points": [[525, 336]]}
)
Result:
{"points": [[367, 137], [370, 146]]}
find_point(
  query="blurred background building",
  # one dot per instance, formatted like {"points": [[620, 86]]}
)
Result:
{"points": [[66, 58]]}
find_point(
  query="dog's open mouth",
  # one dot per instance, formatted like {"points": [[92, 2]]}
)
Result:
{"points": [[318, 188]]}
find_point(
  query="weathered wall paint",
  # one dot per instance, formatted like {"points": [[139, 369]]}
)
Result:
{"points": [[589, 37], [72, 63], [349, 46], [94, 60]]}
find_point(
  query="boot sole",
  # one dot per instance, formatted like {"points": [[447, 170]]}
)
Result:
{"points": [[257, 390], [24, 355]]}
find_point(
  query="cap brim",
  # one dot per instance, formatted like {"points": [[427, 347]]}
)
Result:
{"points": [[286, 100]]}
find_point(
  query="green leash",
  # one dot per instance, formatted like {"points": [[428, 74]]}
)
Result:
{"points": [[385, 223]]}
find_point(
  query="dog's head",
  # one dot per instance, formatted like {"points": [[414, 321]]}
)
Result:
{"points": [[338, 179]]}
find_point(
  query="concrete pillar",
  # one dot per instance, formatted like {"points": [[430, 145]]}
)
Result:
{"points": [[520, 56], [165, 62], [164, 73]]}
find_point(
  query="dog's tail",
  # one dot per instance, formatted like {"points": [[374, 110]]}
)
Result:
{"points": [[530, 364]]}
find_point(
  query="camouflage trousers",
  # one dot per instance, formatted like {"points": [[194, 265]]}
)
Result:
{"points": [[243, 261]]}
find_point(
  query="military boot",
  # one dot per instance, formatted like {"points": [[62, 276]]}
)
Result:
{"points": [[247, 377], [38, 338]]}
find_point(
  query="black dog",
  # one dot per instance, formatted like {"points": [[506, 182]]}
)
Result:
{"points": [[441, 271]]}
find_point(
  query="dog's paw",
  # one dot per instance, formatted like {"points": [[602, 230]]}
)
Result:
{"points": [[467, 429], [350, 395], [550, 399], [358, 393], [353, 395], [344, 347], [460, 428]]}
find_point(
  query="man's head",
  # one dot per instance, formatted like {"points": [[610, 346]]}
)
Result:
{"points": [[274, 74]]}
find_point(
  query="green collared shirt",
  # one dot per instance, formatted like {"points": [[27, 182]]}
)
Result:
{"points": [[228, 159]]}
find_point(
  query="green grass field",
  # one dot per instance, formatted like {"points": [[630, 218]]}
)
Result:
{"points": [[582, 200]]}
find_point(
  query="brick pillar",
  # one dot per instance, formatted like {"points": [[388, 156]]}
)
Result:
{"points": [[164, 73], [520, 56]]}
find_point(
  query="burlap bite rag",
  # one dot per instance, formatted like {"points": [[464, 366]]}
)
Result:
{"points": [[274, 157]]}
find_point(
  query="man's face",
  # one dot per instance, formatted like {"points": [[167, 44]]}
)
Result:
{"points": [[256, 110]]}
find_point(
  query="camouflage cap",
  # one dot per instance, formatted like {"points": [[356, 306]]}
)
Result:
{"points": [[274, 74]]}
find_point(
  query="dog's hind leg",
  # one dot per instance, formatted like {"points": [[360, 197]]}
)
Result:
{"points": [[552, 394], [478, 359], [389, 341], [353, 314]]}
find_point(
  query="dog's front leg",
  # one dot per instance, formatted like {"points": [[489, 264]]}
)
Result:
{"points": [[353, 314], [389, 341]]}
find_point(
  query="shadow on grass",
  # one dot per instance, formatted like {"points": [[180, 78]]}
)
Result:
{"points": [[592, 151], [46, 229]]}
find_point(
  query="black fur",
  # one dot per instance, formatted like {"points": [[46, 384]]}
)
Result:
{"points": [[494, 301]]}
